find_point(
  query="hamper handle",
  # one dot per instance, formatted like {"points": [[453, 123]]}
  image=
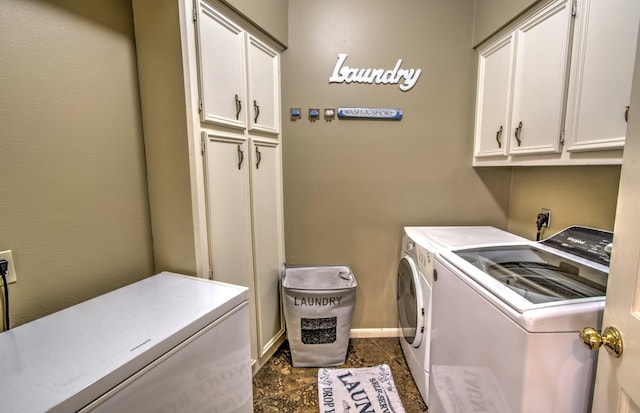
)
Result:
{"points": [[345, 275]]}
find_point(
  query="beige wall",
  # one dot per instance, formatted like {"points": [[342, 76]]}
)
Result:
{"points": [[492, 15], [165, 120], [272, 16], [351, 185], [74, 207], [576, 195]]}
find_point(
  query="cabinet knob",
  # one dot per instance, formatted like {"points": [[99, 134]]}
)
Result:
{"points": [[518, 131]]}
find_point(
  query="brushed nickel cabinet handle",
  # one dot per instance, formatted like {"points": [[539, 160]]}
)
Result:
{"points": [[518, 131], [499, 136], [626, 113], [240, 156], [238, 107], [258, 157], [257, 109]]}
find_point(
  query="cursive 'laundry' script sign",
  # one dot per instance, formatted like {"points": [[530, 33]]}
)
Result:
{"points": [[405, 78]]}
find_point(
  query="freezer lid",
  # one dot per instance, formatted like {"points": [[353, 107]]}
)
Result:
{"points": [[64, 361]]}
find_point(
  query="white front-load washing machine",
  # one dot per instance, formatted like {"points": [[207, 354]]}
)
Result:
{"points": [[415, 282], [506, 320]]}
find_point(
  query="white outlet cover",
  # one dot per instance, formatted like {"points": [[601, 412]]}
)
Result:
{"points": [[11, 274]]}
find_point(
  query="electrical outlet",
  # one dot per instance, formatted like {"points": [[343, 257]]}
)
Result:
{"points": [[547, 212], [11, 274]]}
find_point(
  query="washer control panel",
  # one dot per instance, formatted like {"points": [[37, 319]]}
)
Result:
{"points": [[589, 243]]}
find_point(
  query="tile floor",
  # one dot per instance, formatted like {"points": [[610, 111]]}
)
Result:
{"points": [[280, 387]]}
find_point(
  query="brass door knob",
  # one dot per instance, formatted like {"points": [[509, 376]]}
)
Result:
{"points": [[611, 338]]}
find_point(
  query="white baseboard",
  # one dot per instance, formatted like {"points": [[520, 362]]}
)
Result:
{"points": [[374, 332]]}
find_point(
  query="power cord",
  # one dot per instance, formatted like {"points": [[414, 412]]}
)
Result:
{"points": [[541, 221], [4, 267]]}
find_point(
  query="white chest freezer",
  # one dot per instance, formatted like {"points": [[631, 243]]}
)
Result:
{"points": [[166, 343]]}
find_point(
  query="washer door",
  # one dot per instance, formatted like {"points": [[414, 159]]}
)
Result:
{"points": [[410, 301]]}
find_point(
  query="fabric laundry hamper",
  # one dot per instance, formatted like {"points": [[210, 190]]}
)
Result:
{"points": [[318, 305]]}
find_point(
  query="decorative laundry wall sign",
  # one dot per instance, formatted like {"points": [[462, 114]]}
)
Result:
{"points": [[404, 78], [369, 113]]}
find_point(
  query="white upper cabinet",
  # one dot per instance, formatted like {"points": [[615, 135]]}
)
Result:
{"points": [[542, 50], [554, 86], [221, 53], [239, 76], [521, 83], [264, 86], [493, 123], [600, 82]]}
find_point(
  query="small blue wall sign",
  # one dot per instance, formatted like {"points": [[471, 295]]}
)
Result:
{"points": [[369, 113]]}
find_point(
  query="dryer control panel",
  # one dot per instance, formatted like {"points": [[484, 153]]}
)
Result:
{"points": [[424, 258]]}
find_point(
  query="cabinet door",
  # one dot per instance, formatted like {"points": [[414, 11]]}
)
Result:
{"points": [[221, 61], [542, 46], [264, 86], [602, 68], [229, 215], [495, 68], [268, 240]]}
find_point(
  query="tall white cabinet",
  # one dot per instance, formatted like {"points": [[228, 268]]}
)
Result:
{"points": [[220, 136]]}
